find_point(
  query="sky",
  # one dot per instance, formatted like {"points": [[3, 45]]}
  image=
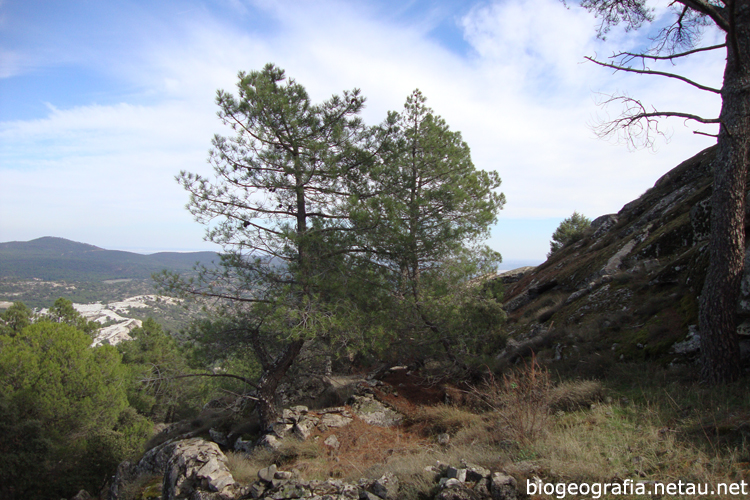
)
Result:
{"points": [[103, 103]]}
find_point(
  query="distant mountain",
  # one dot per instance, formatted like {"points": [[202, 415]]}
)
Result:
{"points": [[51, 258]]}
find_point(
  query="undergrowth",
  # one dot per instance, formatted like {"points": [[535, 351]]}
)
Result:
{"points": [[642, 424]]}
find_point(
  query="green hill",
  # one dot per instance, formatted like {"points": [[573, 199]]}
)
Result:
{"points": [[50, 258]]}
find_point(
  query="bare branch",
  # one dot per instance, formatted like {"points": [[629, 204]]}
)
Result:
{"points": [[190, 375], [636, 125], [628, 56], [652, 72], [698, 132]]}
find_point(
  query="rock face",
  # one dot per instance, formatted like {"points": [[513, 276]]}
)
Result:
{"points": [[188, 466], [633, 281], [196, 465]]}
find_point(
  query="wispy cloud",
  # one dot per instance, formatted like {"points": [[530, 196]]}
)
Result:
{"points": [[517, 90]]}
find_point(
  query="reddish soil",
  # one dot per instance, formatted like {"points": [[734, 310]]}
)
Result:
{"points": [[411, 388]]}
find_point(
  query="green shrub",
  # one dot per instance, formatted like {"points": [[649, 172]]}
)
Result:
{"points": [[64, 413], [569, 231]]}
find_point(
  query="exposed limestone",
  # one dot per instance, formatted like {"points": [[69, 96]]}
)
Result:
{"points": [[631, 271], [614, 262], [386, 486], [601, 225], [513, 275], [334, 420], [196, 465], [373, 412]]}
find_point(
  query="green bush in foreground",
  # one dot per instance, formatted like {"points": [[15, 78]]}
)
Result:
{"points": [[65, 422]]}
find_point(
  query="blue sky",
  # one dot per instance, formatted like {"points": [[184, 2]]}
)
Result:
{"points": [[103, 103]]}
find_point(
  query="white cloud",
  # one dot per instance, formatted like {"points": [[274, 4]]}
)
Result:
{"points": [[522, 100]]}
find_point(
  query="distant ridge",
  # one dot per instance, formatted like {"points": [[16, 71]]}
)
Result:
{"points": [[51, 258]]}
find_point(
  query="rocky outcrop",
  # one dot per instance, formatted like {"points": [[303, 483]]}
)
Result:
{"points": [[188, 465], [195, 466], [632, 281]]}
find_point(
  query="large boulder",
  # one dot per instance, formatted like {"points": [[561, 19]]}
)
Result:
{"points": [[196, 465]]}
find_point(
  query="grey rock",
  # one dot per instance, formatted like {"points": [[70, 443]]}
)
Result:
{"points": [[503, 487], [700, 220], [514, 275], [282, 429], [691, 344], [614, 262], [482, 488], [267, 474], [386, 486], [444, 438], [334, 420], [349, 491], [454, 473], [455, 490], [304, 428], [373, 412], [332, 441], [475, 473], [269, 441], [82, 495], [602, 224], [257, 489], [243, 446], [218, 437], [195, 465]]}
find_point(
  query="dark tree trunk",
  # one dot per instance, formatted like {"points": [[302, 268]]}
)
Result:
{"points": [[720, 356], [269, 382]]}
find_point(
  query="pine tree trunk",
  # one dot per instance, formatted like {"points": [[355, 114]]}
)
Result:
{"points": [[720, 356], [268, 411]]}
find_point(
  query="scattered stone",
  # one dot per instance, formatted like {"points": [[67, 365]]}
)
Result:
{"points": [[218, 437], [305, 427], [456, 490], [458, 474], [373, 412], [503, 487], [444, 438], [386, 487], [691, 344], [476, 473], [281, 429], [82, 495], [243, 446], [269, 441], [334, 420], [267, 474], [257, 489], [332, 441]]}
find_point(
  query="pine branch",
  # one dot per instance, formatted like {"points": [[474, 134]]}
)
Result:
{"points": [[652, 72]]}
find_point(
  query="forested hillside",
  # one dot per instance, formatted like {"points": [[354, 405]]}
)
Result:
{"points": [[51, 258]]}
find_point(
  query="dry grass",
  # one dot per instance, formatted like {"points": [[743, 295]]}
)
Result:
{"points": [[520, 399], [145, 487], [532, 427], [572, 395]]}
